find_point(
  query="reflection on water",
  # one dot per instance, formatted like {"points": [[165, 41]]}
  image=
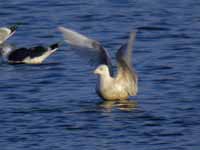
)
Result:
{"points": [[125, 105]]}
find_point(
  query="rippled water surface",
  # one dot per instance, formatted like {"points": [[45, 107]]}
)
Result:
{"points": [[54, 106]]}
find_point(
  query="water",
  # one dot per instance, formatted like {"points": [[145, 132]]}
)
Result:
{"points": [[54, 106]]}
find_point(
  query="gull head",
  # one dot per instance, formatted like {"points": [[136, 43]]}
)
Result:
{"points": [[102, 70], [5, 49]]}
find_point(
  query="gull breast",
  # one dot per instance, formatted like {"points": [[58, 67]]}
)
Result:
{"points": [[114, 91]]}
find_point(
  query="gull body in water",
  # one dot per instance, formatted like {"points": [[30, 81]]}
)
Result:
{"points": [[6, 32], [34, 55], [110, 87]]}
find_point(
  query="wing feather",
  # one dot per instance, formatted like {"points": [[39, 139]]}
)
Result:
{"points": [[126, 72], [95, 50], [4, 34]]}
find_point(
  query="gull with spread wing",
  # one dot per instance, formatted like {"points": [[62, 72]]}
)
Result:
{"points": [[110, 87]]}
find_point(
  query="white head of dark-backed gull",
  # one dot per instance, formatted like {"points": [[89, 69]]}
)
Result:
{"points": [[6, 32], [110, 87], [34, 55]]}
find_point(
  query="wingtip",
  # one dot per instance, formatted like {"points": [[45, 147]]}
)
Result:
{"points": [[133, 32], [13, 28], [132, 35], [60, 28], [55, 45]]}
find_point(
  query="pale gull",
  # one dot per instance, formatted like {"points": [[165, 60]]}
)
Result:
{"points": [[110, 87]]}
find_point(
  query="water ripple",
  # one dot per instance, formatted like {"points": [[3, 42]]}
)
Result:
{"points": [[54, 105]]}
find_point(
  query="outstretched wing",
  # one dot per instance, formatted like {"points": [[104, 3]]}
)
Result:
{"points": [[126, 72], [5, 33], [97, 53]]}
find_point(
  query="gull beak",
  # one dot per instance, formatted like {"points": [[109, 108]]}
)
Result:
{"points": [[95, 71]]}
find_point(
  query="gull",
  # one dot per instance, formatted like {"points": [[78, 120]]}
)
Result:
{"points": [[6, 32], [110, 86], [34, 55]]}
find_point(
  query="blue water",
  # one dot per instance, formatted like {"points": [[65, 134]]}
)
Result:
{"points": [[54, 106]]}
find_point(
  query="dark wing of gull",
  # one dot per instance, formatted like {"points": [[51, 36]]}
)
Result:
{"points": [[5, 33], [126, 72], [97, 53], [37, 51], [18, 55]]}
